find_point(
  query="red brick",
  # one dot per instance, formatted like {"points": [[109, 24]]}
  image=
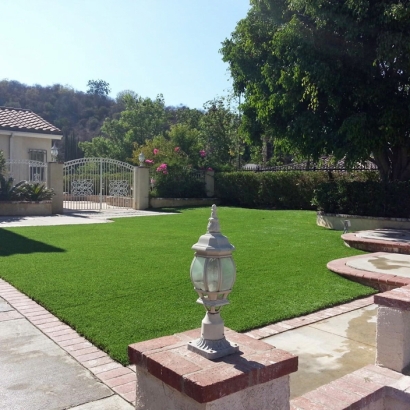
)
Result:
{"points": [[126, 388], [62, 332], [170, 367], [84, 351], [374, 377], [189, 334], [104, 367], [353, 385], [350, 397], [111, 374], [78, 346], [63, 338], [274, 364], [117, 381], [207, 386], [302, 403], [396, 298], [52, 327], [68, 342], [43, 313], [90, 356], [328, 402], [97, 362], [43, 319], [388, 373], [24, 304], [137, 351], [129, 396]]}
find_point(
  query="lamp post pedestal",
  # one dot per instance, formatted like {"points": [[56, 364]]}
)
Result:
{"points": [[172, 377], [212, 343]]}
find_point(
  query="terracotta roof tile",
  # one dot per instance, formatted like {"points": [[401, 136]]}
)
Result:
{"points": [[18, 119]]}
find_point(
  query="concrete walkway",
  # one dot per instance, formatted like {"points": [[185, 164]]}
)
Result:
{"points": [[73, 217]]}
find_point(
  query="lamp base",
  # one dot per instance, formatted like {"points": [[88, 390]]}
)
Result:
{"points": [[213, 349]]}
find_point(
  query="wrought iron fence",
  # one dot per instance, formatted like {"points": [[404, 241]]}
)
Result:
{"points": [[26, 170], [323, 165]]}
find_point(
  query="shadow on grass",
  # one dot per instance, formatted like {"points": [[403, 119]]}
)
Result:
{"points": [[12, 244]]}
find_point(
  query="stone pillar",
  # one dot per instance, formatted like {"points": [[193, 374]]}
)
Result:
{"points": [[55, 181], [393, 329], [169, 376], [140, 188], [210, 183]]}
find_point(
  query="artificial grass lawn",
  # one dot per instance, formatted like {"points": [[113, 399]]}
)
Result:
{"points": [[128, 281]]}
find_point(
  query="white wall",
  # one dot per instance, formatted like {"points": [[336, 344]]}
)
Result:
{"points": [[20, 145]]}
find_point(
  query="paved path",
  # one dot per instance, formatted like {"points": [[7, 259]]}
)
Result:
{"points": [[73, 217]]}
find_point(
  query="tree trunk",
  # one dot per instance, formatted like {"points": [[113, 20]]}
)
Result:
{"points": [[393, 164]]}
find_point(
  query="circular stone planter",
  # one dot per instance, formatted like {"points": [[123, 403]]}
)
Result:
{"points": [[360, 223], [23, 208]]}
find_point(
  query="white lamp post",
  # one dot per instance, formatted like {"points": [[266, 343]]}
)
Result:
{"points": [[141, 159], [213, 274], [54, 153]]}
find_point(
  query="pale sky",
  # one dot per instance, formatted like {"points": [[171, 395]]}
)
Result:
{"points": [[148, 46]]}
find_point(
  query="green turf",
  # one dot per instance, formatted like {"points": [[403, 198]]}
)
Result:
{"points": [[128, 281]]}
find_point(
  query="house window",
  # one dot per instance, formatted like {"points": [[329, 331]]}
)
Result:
{"points": [[37, 155], [37, 172]]}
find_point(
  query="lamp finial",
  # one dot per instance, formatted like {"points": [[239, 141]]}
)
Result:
{"points": [[213, 224]]}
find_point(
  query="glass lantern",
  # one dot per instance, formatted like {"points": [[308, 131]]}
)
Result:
{"points": [[213, 274]]}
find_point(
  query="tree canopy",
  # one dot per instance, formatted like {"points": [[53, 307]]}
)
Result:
{"points": [[328, 77], [98, 87]]}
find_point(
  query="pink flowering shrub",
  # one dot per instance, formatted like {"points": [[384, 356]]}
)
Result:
{"points": [[163, 168]]}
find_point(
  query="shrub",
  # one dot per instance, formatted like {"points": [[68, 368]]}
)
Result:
{"points": [[365, 198], [277, 190], [178, 183], [23, 191]]}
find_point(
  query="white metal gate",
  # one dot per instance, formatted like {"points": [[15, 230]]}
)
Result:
{"points": [[98, 183], [26, 170]]}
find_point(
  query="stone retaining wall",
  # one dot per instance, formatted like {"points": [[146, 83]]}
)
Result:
{"points": [[15, 208], [360, 223], [181, 202]]}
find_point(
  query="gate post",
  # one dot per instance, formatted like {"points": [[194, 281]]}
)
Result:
{"points": [[55, 181], [140, 189], [210, 183]]}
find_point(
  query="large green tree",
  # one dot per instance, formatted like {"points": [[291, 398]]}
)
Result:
{"points": [[142, 119], [328, 76]]}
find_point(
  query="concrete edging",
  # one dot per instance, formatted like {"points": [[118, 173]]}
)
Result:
{"points": [[375, 245], [380, 281], [25, 208], [181, 202], [360, 223]]}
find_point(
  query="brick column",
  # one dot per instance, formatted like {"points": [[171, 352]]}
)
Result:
{"points": [[169, 376], [55, 181], [393, 329]]}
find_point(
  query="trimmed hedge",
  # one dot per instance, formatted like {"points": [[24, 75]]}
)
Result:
{"points": [[366, 198], [178, 183], [277, 190]]}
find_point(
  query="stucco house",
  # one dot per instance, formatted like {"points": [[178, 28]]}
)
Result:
{"points": [[24, 135], [26, 140]]}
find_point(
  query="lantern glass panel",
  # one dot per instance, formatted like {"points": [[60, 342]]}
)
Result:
{"points": [[228, 273], [213, 274], [197, 272]]}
